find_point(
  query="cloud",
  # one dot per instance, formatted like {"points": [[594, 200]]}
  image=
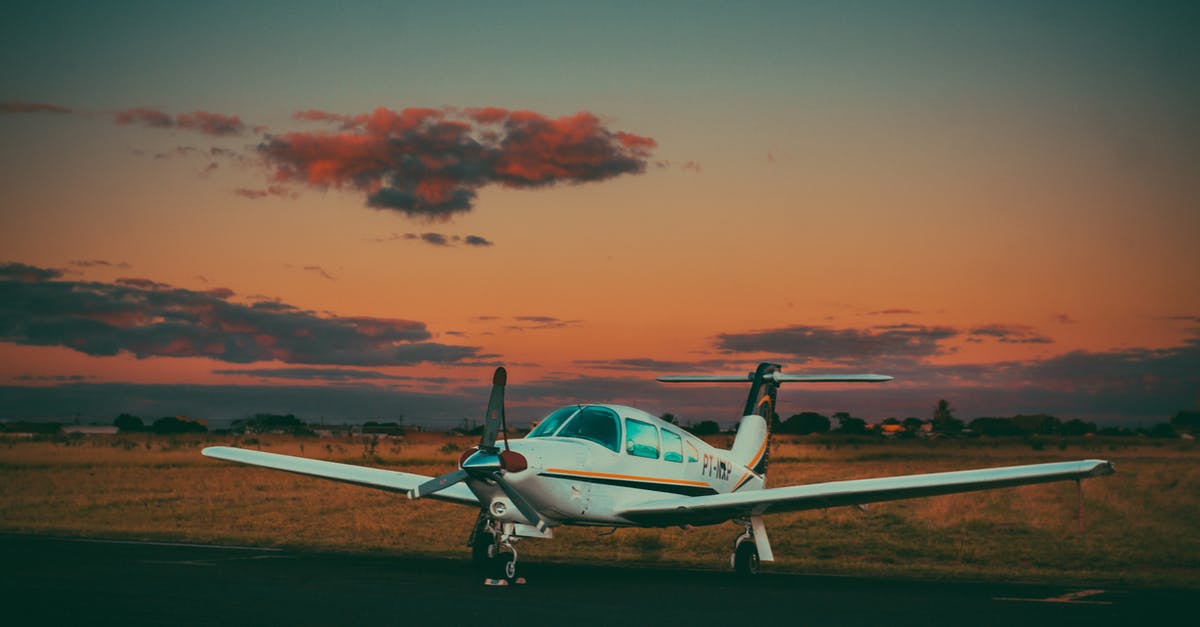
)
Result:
{"points": [[208, 123], [13, 271], [436, 239], [430, 163], [11, 107], [1063, 318], [643, 364], [1008, 334], [894, 311], [805, 344], [318, 270], [323, 374], [97, 263], [531, 323], [150, 319], [271, 190]]}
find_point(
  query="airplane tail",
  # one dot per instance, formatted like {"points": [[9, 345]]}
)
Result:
{"points": [[752, 446]]}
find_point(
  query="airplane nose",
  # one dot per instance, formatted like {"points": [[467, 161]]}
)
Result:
{"points": [[481, 461]]}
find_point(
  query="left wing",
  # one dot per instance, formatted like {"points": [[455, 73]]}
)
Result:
{"points": [[720, 507], [379, 478]]}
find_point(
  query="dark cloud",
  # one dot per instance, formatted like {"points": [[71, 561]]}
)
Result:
{"points": [[13, 271], [642, 364], [431, 162], [1063, 318], [320, 374], [97, 263], [532, 323], [150, 319], [1008, 334], [11, 107], [208, 123], [895, 311], [804, 344], [435, 239]]}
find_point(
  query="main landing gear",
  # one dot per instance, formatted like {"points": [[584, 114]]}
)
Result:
{"points": [[493, 553], [745, 558]]}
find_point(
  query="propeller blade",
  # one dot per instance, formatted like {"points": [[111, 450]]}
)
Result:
{"points": [[525, 507], [438, 483], [495, 410]]}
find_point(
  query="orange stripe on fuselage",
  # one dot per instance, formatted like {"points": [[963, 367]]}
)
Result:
{"points": [[605, 475], [759, 454]]}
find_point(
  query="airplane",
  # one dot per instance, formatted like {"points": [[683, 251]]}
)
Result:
{"points": [[614, 466]]}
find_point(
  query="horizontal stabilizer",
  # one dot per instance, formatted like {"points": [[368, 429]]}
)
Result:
{"points": [[778, 377], [390, 480]]}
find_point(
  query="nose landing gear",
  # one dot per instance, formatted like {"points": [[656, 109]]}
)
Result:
{"points": [[493, 552]]}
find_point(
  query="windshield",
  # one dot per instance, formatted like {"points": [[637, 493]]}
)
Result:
{"points": [[551, 423], [595, 424]]}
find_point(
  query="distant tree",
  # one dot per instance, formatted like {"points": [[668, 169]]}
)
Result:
{"points": [[944, 420], [805, 423], [912, 424], [173, 425], [995, 427], [1162, 430], [849, 424], [670, 418], [705, 427], [1077, 427], [1041, 424], [1186, 421], [128, 423]]}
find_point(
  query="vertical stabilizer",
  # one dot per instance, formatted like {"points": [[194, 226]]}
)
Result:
{"points": [[752, 446]]}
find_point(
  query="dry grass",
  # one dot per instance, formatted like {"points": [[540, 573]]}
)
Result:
{"points": [[1140, 521]]}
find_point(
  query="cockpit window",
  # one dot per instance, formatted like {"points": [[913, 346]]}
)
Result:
{"points": [[595, 424], [641, 439], [551, 423]]}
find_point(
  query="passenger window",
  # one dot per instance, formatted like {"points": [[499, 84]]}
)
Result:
{"points": [[595, 424], [641, 439], [693, 454], [672, 446]]}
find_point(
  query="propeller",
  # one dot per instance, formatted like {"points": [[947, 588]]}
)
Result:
{"points": [[486, 460]]}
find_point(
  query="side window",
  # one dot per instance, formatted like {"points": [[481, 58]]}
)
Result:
{"points": [[672, 446], [641, 439], [692, 454]]}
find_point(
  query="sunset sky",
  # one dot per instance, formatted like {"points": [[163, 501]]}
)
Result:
{"points": [[357, 210]]}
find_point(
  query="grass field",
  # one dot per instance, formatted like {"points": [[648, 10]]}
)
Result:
{"points": [[1141, 523]]}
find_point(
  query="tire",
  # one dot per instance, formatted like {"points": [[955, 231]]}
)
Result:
{"points": [[481, 550], [745, 559], [504, 566]]}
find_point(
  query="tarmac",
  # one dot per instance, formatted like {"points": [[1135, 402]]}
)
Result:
{"points": [[58, 581]]}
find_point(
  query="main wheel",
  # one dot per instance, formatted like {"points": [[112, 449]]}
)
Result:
{"points": [[745, 558]]}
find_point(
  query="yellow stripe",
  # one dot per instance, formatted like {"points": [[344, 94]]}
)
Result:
{"points": [[606, 475]]}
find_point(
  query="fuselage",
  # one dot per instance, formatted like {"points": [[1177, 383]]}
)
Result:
{"points": [[588, 462]]}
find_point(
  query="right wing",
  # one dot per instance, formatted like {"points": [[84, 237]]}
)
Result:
{"points": [[379, 478], [713, 508]]}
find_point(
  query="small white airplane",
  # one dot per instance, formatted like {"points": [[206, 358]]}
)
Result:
{"points": [[616, 466]]}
